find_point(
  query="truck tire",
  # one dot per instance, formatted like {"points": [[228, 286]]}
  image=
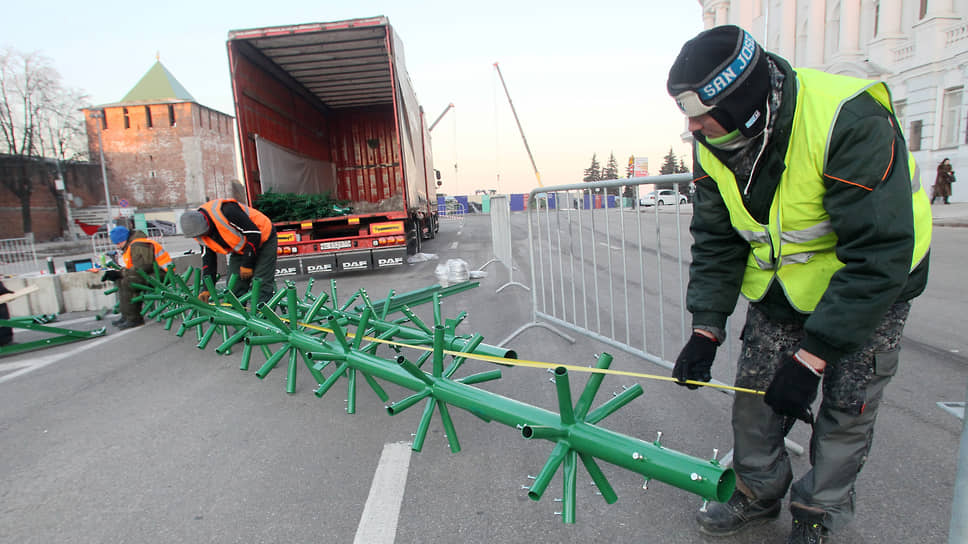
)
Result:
{"points": [[413, 237]]}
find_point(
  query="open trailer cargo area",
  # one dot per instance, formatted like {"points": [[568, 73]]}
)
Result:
{"points": [[328, 108]]}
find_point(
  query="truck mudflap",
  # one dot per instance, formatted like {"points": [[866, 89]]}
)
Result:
{"points": [[349, 261], [389, 258]]}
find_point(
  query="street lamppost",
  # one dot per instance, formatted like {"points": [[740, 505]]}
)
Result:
{"points": [[98, 116]]}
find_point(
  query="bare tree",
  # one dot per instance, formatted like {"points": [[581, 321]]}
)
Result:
{"points": [[38, 118]]}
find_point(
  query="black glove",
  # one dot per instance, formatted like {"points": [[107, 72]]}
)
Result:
{"points": [[695, 360], [111, 275], [793, 389]]}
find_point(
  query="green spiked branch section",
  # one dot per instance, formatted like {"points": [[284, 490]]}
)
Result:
{"points": [[321, 331]]}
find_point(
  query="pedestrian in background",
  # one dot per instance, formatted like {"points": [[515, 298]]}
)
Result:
{"points": [[223, 226], [822, 225], [138, 253], [943, 181]]}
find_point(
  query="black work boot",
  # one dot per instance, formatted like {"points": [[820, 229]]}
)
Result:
{"points": [[118, 321], [127, 324], [807, 525], [740, 512]]}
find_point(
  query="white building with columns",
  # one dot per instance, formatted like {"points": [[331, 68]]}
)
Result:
{"points": [[918, 47]]}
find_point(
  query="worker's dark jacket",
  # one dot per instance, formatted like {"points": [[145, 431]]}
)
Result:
{"points": [[865, 172], [254, 235]]}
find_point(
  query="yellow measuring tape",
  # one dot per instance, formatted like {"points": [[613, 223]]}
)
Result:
{"points": [[538, 364]]}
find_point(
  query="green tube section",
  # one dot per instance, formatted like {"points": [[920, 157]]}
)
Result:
{"points": [[701, 477]]}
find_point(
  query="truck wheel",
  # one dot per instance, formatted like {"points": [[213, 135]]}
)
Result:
{"points": [[413, 238]]}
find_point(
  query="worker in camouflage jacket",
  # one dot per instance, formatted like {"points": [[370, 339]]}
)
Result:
{"points": [[138, 254], [808, 203]]}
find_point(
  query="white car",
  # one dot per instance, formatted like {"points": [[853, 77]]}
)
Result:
{"points": [[665, 196]]}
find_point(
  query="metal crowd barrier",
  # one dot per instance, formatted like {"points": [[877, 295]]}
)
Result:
{"points": [[596, 270], [609, 268], [452, 210], [501, 238], [18, 256]]}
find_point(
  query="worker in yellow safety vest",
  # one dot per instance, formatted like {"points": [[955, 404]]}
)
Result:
{"points": [[808, 204]]}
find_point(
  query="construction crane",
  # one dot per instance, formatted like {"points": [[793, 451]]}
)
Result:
{"points": [[441, 116], [521, 130]]}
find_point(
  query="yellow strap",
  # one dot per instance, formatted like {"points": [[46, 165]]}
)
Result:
{"points": [[539, 364]]}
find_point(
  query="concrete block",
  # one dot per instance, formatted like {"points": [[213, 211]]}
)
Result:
{"points": [[84, 291]]}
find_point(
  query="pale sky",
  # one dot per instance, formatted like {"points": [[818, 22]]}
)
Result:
{"points": [[584, 79]]}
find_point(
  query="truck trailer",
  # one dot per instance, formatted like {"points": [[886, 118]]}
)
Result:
{"points": [[328, 108]]}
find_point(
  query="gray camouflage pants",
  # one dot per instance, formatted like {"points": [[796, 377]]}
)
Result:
{"points": [[852, 391]]}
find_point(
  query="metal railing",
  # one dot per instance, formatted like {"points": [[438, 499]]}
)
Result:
{"points": [[501, 238], [596, 269], [452, 210], [615, 269], [18, 256]]}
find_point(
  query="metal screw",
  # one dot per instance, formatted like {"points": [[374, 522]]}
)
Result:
{"points": [[695, 477], [637, 456], [703, 507], [530, 477], [658, 437], [715, 454], [645, 484]]}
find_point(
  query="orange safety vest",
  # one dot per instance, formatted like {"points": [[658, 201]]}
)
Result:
{"points": [[161, 256], [231, 235]]}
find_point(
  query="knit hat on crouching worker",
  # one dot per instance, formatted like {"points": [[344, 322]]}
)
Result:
{"points": [[723, 72], [119, 234], [193, 224]]}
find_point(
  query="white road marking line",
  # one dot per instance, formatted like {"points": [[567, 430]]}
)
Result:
{"points": [[378, 524], [31, 365], [453, 245]]}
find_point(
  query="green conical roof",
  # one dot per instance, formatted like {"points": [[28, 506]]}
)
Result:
{"points": [[157, 85]]}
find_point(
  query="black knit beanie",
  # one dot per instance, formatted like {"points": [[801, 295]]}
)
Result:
{"points": [[723, 72]]}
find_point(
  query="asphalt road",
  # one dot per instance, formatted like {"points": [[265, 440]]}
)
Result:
{"points": [[143, 437]]}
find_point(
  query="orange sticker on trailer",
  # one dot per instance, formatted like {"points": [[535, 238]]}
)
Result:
{"points": [[354, 220], [306, 225], [392, 227]]}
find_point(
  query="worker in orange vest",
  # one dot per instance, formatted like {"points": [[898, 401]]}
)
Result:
{"points": [[224, 226], [138, 253]]}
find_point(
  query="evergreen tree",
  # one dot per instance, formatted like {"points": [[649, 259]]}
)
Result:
{"points": [[683, 169], [670, 164], [594, 170], [610, 171], [611, 168]]}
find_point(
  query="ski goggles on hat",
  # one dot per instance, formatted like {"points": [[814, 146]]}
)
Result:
{"points": [[691, 105]]}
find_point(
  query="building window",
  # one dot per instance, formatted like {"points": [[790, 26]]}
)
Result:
{"points": [[201, 119], [148, 117], [104, 120], [950, 117], [171, 115], [127, 121], [924, 9], [915, 143]]}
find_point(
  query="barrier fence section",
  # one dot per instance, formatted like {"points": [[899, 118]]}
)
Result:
{"points": [[607, 267], [500, 211], [451, 210], [18, 256], [609, 260]]}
